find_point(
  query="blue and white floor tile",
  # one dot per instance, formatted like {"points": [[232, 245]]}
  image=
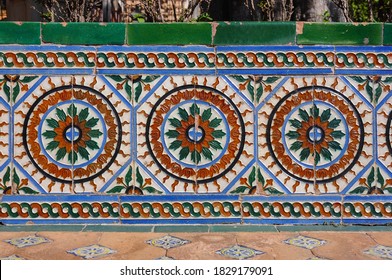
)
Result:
{"points": [[239, 252], [380, 251], [93, 251], [167, 242], [305, 242], [31, 240]]}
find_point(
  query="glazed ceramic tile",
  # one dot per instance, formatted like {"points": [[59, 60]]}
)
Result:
{"points": [[165, 122], [305, 242], [239, 252], [286, 131], [344, 129], [374, 181], [380, 251], [167, 242], [364, 209], [223, 134], [27, 241], [12, 258], [7, 85], [92, 252]]}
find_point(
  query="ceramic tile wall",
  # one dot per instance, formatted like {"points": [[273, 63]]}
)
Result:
{"points": [[268, 134]]}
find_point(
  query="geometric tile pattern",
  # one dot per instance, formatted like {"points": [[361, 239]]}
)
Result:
{"points": [[93, 251], [305, 242], [27, 241], [167, 242], [380, 251], [239, 252], [192, 133]]}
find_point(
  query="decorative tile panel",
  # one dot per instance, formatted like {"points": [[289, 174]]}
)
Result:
{"points": [[27, 241], [167, 242], [239, 252], [93, 251], [152, 134]]}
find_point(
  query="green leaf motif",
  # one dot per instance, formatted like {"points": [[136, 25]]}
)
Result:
{"points": [[116, 189], [184, 153], [92, 145], [369, 91], [259, 93], [28, 79], [388, 190], [139, 178], [240, 189], [128, 90], [326, 115], [260, 177], [337, 134], [370, 178], [183, 114], [28, 190], [273, 191], [95, 133], [149, 79], [334, 123], [151, 190], [195, 157], [218, 134], [252, 176], [61, 153], [194, 109], [7, 176], [239, 78], [52, 123], [296, 146], [292, 135], [271, 80], [317, 158], [72, 110], [15, 92], [304, 154], [138, 91], [172, 134], [128, 177], [49, 134], [358, 79], [84, 153], [304, 115], [92, 122], [380, 178], [334, 146], [83, 115], [251, 90], [7, 91], [52, 145], [175, 122], [207, 153], [378, 93], [175, 145], [206, 115], [116, 78], [61, 114], [215, 145], [326, 154], [72, 157], [295, 123], [16, 178], [358, 190], [215, 123], [315, 111]]}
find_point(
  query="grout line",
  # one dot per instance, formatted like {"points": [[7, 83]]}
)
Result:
{"points": [[371, 237]]}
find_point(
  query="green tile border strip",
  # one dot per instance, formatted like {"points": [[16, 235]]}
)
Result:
{"points": [[211, 34], [339, 33], [193, 228]]}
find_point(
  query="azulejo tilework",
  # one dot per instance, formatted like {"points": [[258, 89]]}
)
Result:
{"points": [[27, 241], [305, 242], [239, 252], [380, 251], [167, 242], [195, 134], [93, 251]]}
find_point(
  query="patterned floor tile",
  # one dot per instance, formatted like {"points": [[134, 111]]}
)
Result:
{"points": [[27, 241], [167, 242], [380, 251], [12, 257], [239, 252], [305, 242], [93, 251]]}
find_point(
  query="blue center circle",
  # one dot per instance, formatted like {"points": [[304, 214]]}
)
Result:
{"points": [[73, 134], [195, 134], [316, 134]]}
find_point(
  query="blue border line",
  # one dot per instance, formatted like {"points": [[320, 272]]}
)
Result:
{"points": [[193, 221], [284, 221], [362, 221]]}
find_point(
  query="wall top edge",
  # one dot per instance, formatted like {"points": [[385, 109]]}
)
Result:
{"points": [[210, 34]]}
